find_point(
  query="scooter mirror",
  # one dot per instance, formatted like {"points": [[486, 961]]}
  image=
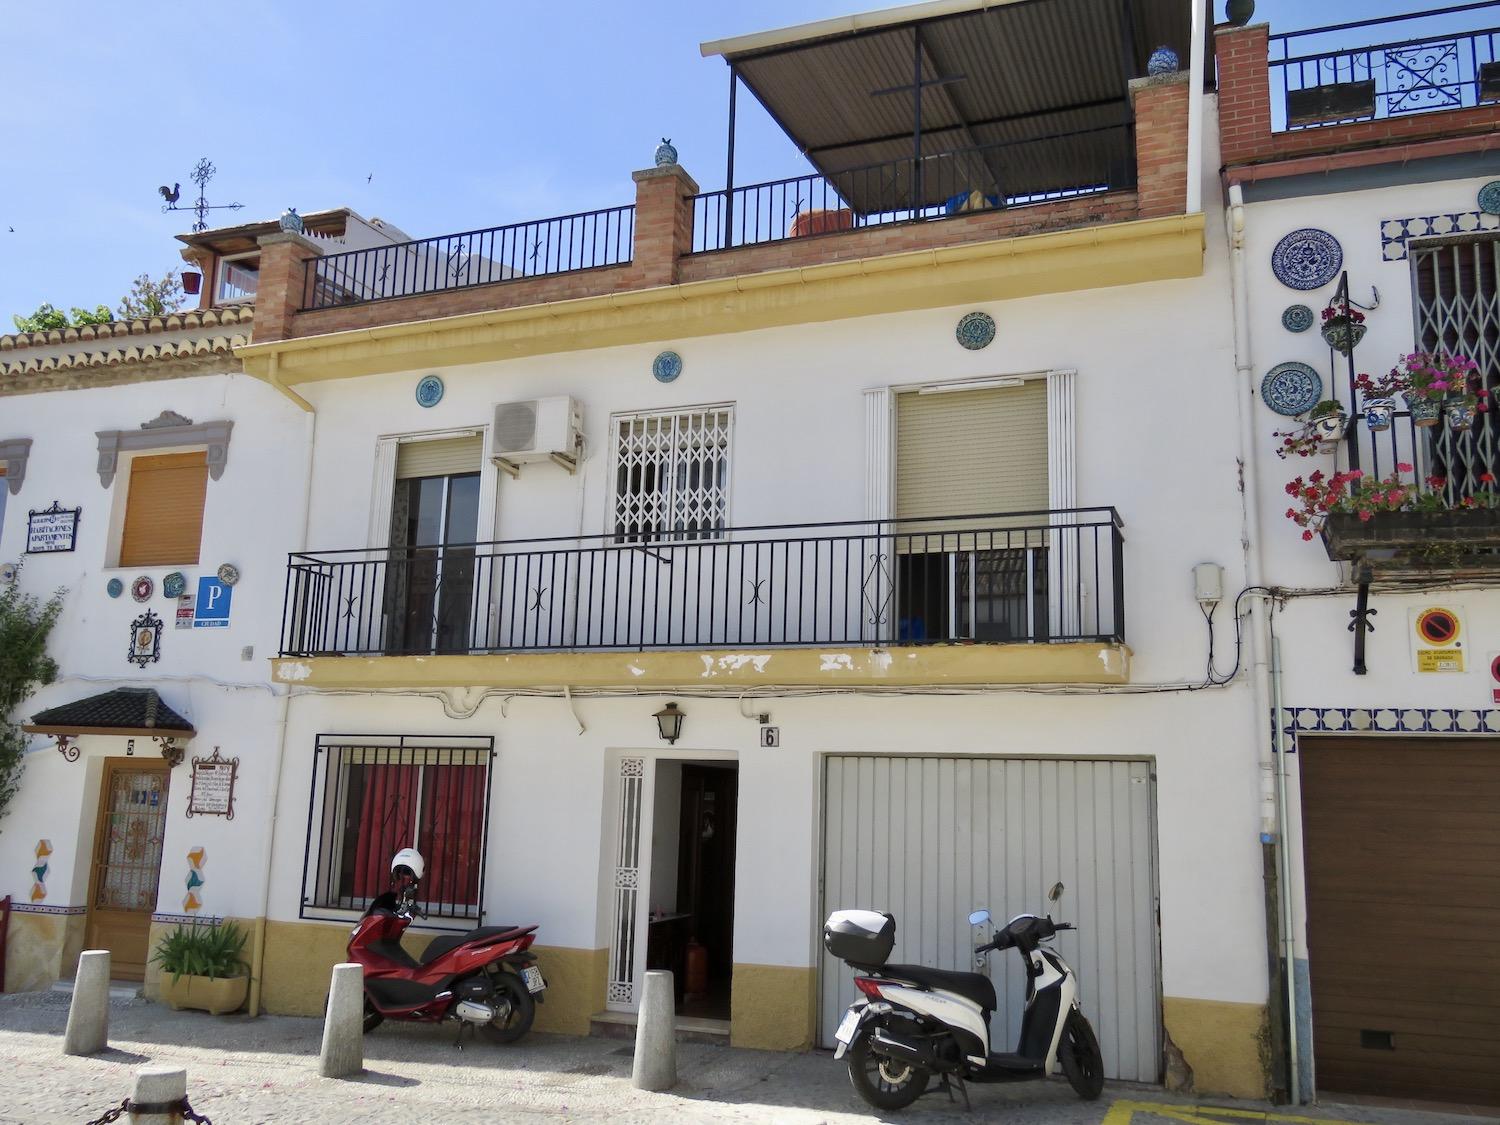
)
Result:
{"points": [[1056, 892], [979, 917]]}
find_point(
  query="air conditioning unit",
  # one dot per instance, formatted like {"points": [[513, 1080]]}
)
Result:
{"points": [[538, 429]]}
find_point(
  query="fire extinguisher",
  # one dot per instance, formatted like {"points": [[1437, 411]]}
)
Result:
{"points": [[696, 983]]}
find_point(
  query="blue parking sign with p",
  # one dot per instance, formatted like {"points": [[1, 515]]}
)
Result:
{"points": [[212, 609]]}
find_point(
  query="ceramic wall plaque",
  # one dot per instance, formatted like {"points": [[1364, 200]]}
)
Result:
{"points": [[1307, 259], [975, 330], [1291, 388], [1297, 318], [666, 367]]}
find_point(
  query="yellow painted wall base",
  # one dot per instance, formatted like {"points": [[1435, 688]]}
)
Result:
{"points": [[1221, 1042], [772, 1007], [576, 980], [151, 986], [41, 949]]}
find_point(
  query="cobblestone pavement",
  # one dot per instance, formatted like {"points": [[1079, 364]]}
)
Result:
{"points": [[242, 1070]]}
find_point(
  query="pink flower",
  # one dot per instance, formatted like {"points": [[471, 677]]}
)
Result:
{"points": [[1402, 467], [1307, 535], [1366, 517]]}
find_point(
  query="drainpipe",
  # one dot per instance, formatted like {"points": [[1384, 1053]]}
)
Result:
{"points": [[258, 945], [1265, 677], [1195, 111]]}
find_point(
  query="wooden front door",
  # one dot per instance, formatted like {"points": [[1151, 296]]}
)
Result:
{"points": [[127, 863], [1402, 851]]}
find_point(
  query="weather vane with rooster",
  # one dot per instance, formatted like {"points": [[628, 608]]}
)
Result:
{"points": [[203, 171]]}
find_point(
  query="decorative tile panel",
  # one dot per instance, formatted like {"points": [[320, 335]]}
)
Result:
{"points": [[1394, 233], [1386, 720]]}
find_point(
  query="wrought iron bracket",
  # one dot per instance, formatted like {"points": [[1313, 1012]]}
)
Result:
{"points": [[1360, 623], [169, 749], [67, 747]]}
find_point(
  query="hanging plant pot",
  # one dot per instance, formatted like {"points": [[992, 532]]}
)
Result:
{"points": [[1329, 430], [191, 282], [1379, 413], [1424, 411], [1460, 414], [1343, 334]]}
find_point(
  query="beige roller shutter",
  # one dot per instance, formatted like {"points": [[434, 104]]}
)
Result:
{"points": [[164, 509], [970, 453], [439, 458]]}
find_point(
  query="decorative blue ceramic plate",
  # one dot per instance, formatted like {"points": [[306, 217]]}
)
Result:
{"points": [[142, 588], [114, 588], [666, 367], [1489, 198], [1291, 388], [1297, 318], [228, 573], [975, 330], [1307, 259], [429, 390], [174, 584]]}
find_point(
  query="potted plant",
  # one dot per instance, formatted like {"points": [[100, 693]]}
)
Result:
{"points": [[207, 967], [1343, 327], [1435, 379], [1378, 396], [1327, 421], [192, 282]]}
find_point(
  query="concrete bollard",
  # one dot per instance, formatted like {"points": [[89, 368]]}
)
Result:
{"points": [[656, 1035], [343, 1051], [158, 1086], [88, 1013]]}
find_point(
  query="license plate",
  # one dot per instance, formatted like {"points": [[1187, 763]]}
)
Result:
{"points": [[845, 1033], [533, 978]]}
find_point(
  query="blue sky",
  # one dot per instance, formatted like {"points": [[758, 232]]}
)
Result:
{"points": [[461, 114]]}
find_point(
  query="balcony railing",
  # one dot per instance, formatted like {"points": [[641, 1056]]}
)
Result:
{"points": [[1024, 577], [1321, 84], [478, 257], [939, 186]]}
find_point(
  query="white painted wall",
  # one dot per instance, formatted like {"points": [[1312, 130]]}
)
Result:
{"points": [[252, 517]]}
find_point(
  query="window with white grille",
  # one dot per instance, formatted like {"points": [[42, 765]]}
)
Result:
{"points": [[672, 474]]}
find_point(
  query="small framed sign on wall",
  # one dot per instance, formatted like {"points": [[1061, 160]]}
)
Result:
{"points": [[212, 790], [52, 529]]}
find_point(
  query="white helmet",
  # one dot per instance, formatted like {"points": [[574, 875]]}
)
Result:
{"points": [[411, 859]]}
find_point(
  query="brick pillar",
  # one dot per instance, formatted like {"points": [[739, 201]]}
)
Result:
{"points": [[1244, 92], [663, 222], [279, 290], [1161, 142]]}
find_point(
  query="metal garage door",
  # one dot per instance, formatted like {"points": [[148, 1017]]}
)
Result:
{"points": [[931, 839], [1402, 847]]}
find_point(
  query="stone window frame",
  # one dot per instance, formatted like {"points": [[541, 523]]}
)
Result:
{"points": [[167, 430], [15, 452]]}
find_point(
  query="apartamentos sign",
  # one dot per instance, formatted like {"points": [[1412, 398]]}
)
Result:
{"points": [[52, 529]]}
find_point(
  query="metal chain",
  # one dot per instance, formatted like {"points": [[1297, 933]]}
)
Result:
{"points": [[181, 1107]]}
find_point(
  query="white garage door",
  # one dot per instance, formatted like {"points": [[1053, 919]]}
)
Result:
{"points": [[931, 839]]}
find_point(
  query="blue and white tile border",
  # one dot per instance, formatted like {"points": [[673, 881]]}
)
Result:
{"points": [[44, 908], [1387, 720], [185, 919], [1394, 233]]}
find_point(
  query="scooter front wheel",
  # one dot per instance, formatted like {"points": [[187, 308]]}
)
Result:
{"points": [[515, 1009], [883, 1082], [373, 1018], [1081, 1059]]}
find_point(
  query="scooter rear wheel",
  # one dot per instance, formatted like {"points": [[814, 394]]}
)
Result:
{"points": [[373, 1018], [516, 1022], [884, 1083], [1081, 1059]]}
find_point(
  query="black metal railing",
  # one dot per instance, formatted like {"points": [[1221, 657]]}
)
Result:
{"points": [[1315, 81], [939, 186], [477, 257], [1022, 577]]}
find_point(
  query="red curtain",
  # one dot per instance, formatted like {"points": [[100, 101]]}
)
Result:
{"points": [[452, 834], [385, 825]]}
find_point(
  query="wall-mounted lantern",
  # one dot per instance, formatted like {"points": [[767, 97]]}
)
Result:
{"points": [[669, 723]]}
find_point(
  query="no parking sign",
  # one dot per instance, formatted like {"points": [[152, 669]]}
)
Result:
{"points": [[1437, 638]]}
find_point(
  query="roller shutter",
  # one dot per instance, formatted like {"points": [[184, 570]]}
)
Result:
{"points": [[164, 510], [443, 458]]}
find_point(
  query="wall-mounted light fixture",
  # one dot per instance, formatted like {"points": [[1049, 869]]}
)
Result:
{"points": [[669, 723]]}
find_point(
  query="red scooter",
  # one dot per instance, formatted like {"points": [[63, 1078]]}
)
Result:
{"points": [[486, 978]]}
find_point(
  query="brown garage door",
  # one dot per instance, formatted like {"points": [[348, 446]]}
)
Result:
{"points": [[1402, 843]]}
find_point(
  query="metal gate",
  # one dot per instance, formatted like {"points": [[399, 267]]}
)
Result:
{"points": [[931, 839]]}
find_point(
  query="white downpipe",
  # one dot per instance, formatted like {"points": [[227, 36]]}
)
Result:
{"points": [[1284, 880], [258, 949], [1196, 62]]}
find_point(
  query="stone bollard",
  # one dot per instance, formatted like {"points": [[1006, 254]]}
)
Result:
{"points": [[656, 1035], [157, 1088], [88, 1013], [344, 1024]]}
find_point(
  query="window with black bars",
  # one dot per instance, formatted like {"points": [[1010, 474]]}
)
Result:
{"points": [[672, 475], [1457, 287], [374, 795]]}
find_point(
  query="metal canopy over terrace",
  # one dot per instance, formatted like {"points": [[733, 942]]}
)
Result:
{"points": [[1019, 99]]}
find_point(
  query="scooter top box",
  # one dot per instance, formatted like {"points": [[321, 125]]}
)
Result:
{"points": [[860, 937]]}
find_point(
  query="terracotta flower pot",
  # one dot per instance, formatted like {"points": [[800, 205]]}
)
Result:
{"points": [[191, 282], [216, 995]]}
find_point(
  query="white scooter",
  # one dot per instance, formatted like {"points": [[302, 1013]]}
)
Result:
{"points": [[912, 1022]]}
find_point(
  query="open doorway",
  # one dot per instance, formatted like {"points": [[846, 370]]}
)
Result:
{"points": [[691, 926]]}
